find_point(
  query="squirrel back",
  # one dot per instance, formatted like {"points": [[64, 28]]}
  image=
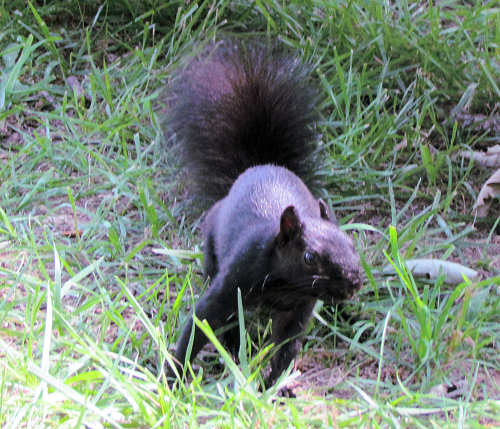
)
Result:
{"points": [[237, 106]]}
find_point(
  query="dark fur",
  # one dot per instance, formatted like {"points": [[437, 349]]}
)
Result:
{"points": [[237, 106], [239, 113]]}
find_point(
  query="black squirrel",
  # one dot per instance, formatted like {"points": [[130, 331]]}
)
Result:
{"points": [[243, 115]]}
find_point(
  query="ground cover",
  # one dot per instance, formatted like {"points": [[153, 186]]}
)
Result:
{"points": [[99, 247]]}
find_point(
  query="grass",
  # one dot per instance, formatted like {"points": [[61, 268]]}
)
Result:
{"points": [[100, 252]]}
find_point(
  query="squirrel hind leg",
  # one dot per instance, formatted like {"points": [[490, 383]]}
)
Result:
{"points": [[210, 264]]}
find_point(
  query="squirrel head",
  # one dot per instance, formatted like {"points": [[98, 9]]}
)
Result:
{"points": [[316, 258]]}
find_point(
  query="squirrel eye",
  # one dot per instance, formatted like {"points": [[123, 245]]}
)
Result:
{"points": [[309, 258]]}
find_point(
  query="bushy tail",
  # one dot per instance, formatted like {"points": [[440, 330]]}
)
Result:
{"points": [[239, 105]]}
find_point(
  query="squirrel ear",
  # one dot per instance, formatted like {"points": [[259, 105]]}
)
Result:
{"points": [[325, 212], [290, 226]]}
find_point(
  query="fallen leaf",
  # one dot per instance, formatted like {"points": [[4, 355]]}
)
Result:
{"points": [[454, 390], [479, 122], [431, 269], [490, 190], [179, 253], [490, 158]]}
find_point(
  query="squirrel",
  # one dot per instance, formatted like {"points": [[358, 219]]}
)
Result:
{"points": [[243, 115]]}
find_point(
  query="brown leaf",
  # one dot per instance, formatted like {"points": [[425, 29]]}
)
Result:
{"points": [[490, 158], [490, 190], [431, 269]]}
